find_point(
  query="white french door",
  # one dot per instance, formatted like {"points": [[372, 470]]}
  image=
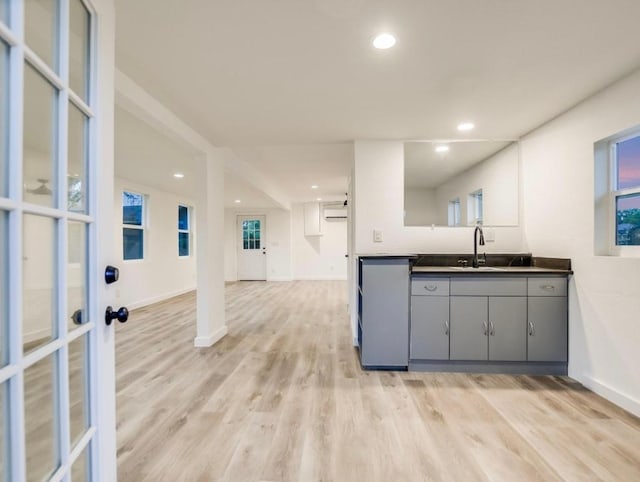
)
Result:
{"points": [[252, 249], [56, 354]]}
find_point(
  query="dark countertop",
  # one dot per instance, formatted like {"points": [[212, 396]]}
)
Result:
{"points": [[488, 270]]}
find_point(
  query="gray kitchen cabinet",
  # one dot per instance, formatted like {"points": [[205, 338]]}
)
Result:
{"points": [[547, 328], [384, 285], [429, 327], [507, 328], [469, 328]]}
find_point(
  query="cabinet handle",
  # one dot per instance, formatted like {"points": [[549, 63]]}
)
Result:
{"points": [[485, 327], [446, 327], [430, 287], [492, 328], [531, 330], [548, 287]]}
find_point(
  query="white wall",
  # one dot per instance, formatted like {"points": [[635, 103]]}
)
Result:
{"points": [[291, 254], [379, 204], [558, 164], [162, 273], [318, 257], [278, 239]]}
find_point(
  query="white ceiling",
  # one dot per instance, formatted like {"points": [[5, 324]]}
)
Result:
{"points": [[302, 75], [144, 155]]}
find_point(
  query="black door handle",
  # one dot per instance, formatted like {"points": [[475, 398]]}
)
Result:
{"points": [[121, 315]]}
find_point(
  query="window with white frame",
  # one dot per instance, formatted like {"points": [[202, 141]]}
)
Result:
{"points": [[454, 212], [475, 208], [184, 231], [624, 163], [133, 225]]}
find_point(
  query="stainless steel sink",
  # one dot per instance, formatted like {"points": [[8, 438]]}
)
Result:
{"points": [[481, 268]]}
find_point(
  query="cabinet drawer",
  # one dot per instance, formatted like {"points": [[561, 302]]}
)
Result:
{"points": [[430, 287], [489, 286], [547, 286]]}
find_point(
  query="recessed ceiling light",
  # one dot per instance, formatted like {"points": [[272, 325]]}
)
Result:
{"points": [[442, 148], [237, 201], [466, 126], [384, 41], [318, 199], [315, 186], [178, 175]]}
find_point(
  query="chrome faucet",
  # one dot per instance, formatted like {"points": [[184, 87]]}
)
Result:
{"points": [[475, 245]]}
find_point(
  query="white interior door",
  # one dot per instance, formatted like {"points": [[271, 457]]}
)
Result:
{"points": [[56, 355], [252, 251]]}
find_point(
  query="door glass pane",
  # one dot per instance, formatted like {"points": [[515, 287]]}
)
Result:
{"points": [[76, 268], [41, 30], [77, 389], [3, 287], [79, 469], [628, 220], [39, 97], [76, 166], [79, 48], [38, 250], [4, 10], [42, 455], [132, 243], [4, 147]]}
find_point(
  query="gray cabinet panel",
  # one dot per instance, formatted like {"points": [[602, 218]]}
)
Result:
{"points": [[508, 328], [469, 327], [547, 331], [489, 286], [547, 286], [385, 312], [429, 286], [429, 328]]}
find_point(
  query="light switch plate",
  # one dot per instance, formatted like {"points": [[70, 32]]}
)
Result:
{"points": [[377, 236], [489, 235]]}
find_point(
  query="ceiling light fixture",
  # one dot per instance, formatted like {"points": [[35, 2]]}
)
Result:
{"points": [[237, 201], [178, 175], [466, 126], [384, 41], [318, 199], [315, 186], [442, 148]]}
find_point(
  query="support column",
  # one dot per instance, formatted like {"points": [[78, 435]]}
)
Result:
{"points": [[211, 325]]}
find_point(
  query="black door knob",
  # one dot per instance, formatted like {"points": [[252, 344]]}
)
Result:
{"points": [[121, 315]]}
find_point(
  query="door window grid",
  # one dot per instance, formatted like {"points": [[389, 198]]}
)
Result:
{"points": [[251, 234], [11, 200], [184, 231]]}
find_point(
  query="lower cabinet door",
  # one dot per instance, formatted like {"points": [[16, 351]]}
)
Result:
{"points": [[508, 328], [547, 330], [469, 328], [429, 328]]}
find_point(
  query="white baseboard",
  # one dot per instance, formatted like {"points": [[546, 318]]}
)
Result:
{"points": [[156, 299], [611, 394], [280, 278], [210, 340]]}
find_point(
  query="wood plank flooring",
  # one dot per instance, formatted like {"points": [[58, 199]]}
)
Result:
{"points": [[283, 398]]}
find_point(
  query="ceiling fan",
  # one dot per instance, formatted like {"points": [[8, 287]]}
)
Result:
{"points": [[42, 189]]}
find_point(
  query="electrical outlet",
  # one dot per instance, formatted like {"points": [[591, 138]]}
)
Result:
{"points": [[377, 236], [489, 235]]}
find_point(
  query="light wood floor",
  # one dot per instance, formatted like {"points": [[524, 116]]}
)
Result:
{"points": [[283, 398]]}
